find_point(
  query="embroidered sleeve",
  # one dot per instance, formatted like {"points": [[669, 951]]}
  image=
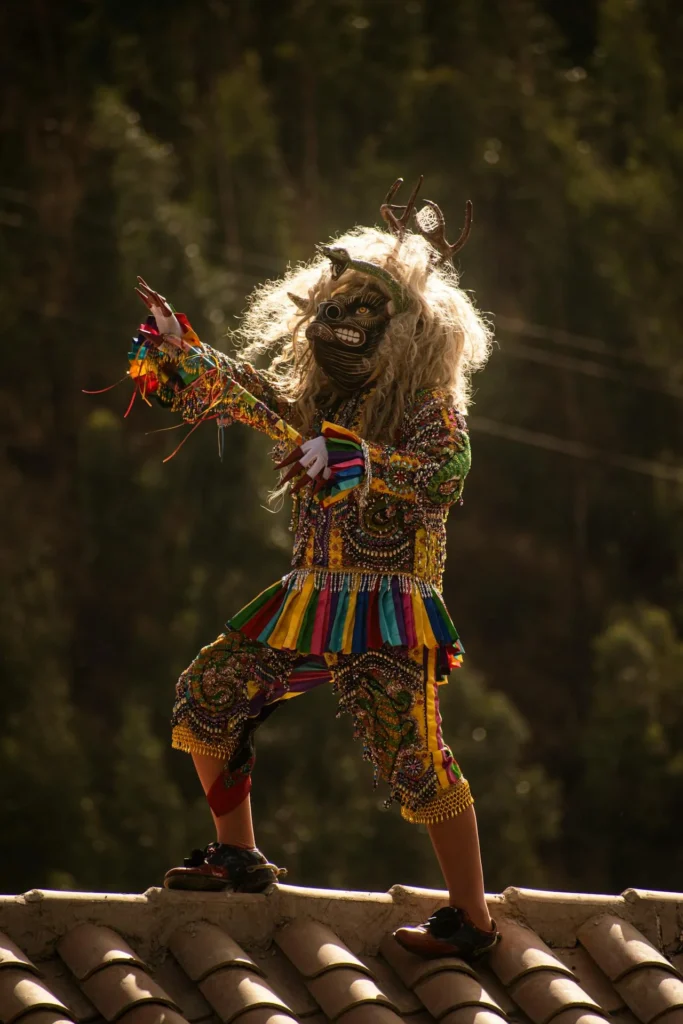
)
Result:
{"points": [[430, 464], [203, 383]]}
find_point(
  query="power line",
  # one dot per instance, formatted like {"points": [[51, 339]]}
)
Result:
{"points": [[519, 435], [576, 449], [581, 342], [530, 353], [516, 325], [587, 367], [517, 350], [513, 325], [519, 327]]}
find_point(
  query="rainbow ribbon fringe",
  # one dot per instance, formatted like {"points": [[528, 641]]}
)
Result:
{"points": [[319, 611]]}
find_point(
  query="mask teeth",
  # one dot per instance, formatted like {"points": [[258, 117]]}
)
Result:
{"points": [[348, 334]]}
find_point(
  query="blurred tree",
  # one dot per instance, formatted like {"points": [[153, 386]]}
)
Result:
{"points": [[204, 146], [147, 822], [632, 783], [49, 822]]}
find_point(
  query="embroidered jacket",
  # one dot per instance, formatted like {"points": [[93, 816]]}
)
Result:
{"points": [[369, 549]]}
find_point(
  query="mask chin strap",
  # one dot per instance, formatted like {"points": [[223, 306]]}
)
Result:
{"points": [[341, 261]]}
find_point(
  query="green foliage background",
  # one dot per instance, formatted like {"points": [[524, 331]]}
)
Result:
{"points": [[206, 144]]}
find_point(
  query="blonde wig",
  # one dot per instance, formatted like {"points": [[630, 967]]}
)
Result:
{"points": [[437, 343]]}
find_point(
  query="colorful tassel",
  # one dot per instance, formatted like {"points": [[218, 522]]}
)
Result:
{"points": [[317, 611], [346, 462]]}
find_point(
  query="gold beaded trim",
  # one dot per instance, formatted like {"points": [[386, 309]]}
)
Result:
{"points": [[448, 804], [184, 739], [361, 579]]}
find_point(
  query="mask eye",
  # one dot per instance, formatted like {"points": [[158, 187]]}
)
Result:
{"points": [[363, 310]]}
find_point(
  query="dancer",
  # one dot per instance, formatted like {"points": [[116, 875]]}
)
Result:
{"points": [[372, 345]]}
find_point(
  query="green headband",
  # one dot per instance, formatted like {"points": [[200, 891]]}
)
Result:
{"points": [[341, 261]]}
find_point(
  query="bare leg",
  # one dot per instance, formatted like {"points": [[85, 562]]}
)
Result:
{"points": [[456, 845], [236, 827]]}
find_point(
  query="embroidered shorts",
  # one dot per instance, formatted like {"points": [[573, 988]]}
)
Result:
{"points": [[235, 683]]}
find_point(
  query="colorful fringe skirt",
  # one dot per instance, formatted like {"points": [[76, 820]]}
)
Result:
{"points": [[315, 611]]}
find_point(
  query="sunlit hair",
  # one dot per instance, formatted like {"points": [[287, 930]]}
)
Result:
{"points": [[438, 343]]}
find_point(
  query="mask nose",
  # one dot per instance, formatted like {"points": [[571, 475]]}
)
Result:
{"points": [[330, 312]]}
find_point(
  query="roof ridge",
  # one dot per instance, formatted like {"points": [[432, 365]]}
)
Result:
{"points": [[299, 953]]}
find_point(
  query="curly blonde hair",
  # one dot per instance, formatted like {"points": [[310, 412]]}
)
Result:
{"points": [[438, 343]]}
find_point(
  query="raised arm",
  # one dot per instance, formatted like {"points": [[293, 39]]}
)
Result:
{"points": [[168, 360]]}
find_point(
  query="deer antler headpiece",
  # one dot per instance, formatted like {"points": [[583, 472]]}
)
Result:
{"points": [[431, 224], [430, 221]]}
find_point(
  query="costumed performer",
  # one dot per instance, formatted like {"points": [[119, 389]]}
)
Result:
{"points": [[374, 343]]}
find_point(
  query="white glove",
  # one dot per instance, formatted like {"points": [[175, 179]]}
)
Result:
{"points": [[167, 324], [167, 321], [314, 458]]}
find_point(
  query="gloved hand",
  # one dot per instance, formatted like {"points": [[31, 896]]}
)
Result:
{"points": [[309, 463], [167, 322]]}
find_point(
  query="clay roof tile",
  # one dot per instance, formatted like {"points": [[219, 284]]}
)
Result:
{"points": [[652, 992], [413, 969], [265, 1015], [12, 956], [592, 979], [625, 1016], [182, 991], [578, 1015], [88, 948], [470, 1015], [496, 990], [521, 952], [618, 947], [324, 965], [314, 948], [452, 990], [119, 987], [340, 990], [543, 995], [371, 1015], [399, 995], [45, 1017], [151, 1013], [234, 990], [281, 975], [21, 993], [202, 948], [60, 981]]}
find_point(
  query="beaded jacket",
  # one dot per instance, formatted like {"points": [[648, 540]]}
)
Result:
{"points": [[370, 547]]}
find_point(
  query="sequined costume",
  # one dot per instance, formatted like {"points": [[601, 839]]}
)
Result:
{"points": [[361, 607]]}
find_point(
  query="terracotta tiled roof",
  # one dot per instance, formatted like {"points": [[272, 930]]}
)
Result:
{"points": [[315, 956]]}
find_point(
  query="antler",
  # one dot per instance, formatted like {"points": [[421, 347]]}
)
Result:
{"points": [[431, 224], [389, 211]]}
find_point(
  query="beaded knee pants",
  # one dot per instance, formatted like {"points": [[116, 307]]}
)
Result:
{"points": [[235, 683]]}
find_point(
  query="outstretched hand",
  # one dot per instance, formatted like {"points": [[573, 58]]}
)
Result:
{"points": [[308, 462], [167, 321]]}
